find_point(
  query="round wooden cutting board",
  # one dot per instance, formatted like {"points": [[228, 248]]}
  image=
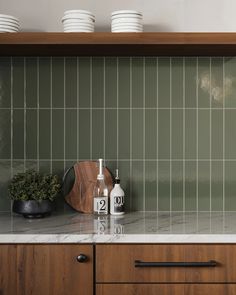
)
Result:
{"points": [[81, 178]]}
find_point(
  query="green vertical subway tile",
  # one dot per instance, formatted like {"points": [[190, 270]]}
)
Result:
{"points": [[151, 82], [31, 82], [111, 134], [58, 168], [190, 134], [203, 134], [163, 134], [57, 82], [177, 82], [44, 135], [5, 174], [137, 134], [84, 134], [32, 164], [150, 186], [85, 79], [217, 185], [18, 134], [5, 82], [230, 139], [229, 81], [217, 82], [204, 87], [97, 134], [177, 186], [164, 82], [124, 82], [111, 82], [45, 82], [190, 82], [45, 166], [124, 173], [137, 186], [17, 167], [137, 82], [203, 186], [124, 134], [31, 134], [71, 134], [58, 134], [190, 182], [230, 186], [71, 82], [164, 186], [151, 134], [217, 134], [5, 134], [177, 134], [98, 82], [18, 82]]}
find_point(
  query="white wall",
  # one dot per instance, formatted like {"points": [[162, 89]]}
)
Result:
{"points": [[159, 15]]}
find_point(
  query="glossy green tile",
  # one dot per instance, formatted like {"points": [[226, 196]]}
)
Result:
{"points": [[84, 134], [18, 82], [230, 140], [164, 186], [204, 82], [44, 135], [163, 134], [124, 135], [229, 82], [85, 75], [31, 164], [203, 134], [190, 82], [44, 72], [111, 134], [97, 134], [111, 82], [217, 82], [124, 83], [45, 167], [151, 82], [98, 82], [5, 134], [31, 134], [5, 82], [177, 82], [203, 185], [71, 82], [230, 186], [151, 134], [58, 82], [18, 134], [217, 134], [191, 134], [58, 168], [17, 167], [190, 186], [177, 134], [217, 185], [5, 202], [58, 134], [71, 134], [31, 82], [124, 172], [150, 186], [137, 134], [164, 82], [137, 176], [137, 82], [177, 186]]}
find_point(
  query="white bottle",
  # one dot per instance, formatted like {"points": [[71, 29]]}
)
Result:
{"points": [[117, 198], [100, 193]]}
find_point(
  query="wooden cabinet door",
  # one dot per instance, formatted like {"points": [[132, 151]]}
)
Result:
{"points": [[162, 289], [54, 270], [8, 270]]}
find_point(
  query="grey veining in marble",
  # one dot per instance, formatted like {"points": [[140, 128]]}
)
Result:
{"points": [[136, 227]]}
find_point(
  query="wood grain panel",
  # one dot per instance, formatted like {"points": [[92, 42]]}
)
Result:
{"points": [[115, 263]]}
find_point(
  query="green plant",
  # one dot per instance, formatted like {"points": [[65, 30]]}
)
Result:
{"points": [[31, 185]]}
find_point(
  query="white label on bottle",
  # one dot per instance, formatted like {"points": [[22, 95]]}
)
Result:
{"points": [[100, 205], [119, 204]]}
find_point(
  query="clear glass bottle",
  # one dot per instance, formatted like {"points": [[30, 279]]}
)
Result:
{"points": [[100, 193]]}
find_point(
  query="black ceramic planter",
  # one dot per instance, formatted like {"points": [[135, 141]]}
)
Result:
{"points": [[32, 208]]}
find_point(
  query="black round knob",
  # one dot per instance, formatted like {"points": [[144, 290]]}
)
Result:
{"points": [[81, 258]]}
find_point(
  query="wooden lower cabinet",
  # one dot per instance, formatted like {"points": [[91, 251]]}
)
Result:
{"points": [[165, 289]]}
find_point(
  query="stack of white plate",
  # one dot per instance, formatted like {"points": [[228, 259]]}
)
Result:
{"points": [[9, 24], [78, 21], [126, 21]]}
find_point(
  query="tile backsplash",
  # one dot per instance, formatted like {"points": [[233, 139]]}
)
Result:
{"points": [[168, 124]]}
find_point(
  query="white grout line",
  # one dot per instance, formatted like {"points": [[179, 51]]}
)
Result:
{"points": [[197, 98], [144, 134], [38, 113], [24, 74], [223, 134], [157, 125], [170, 134], [91, 105], [12, 117], [51, 115], [131, 127], [64, 114], [210, 131], [184, 204], [104, 109], [117, 112], [77, 111]]}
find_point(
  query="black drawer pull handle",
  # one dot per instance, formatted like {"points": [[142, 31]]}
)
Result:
{"points": [[210, 263]]}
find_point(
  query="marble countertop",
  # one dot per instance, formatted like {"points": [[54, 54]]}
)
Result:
{"points": [[136, 227]]}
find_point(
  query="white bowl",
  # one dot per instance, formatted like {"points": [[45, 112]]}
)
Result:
{"points": [[138, 18], [126, 25], [78, 17], [9, 17], [7, 31], [10, 21], [78, 28], [81, 11], [118, 12], [9, 28], [9, 24], [78, 21], [127, 31], [77, 31], [131, 20]]}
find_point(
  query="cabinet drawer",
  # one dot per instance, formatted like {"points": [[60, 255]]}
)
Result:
{"points": [[166, 263], [161, 289]]}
